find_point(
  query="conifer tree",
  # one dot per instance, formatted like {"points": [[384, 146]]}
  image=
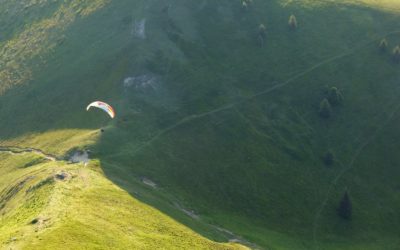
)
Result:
{"points": [[329, 158], [345, 208], [325, 108], [335, 96], [383, 45], [292, 22], [396, 54]]}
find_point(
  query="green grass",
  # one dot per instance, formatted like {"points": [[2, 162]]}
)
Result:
{"points": [[83, 211], [385, 5], [232, 129]]}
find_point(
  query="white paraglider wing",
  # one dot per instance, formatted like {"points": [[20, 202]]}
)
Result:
{"points": [[104, 106]]}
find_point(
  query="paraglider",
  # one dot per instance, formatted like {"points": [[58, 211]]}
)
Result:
{"points": [[104, 106]]}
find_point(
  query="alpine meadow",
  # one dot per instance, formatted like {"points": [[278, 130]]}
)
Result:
{"points": [[200, 124]]}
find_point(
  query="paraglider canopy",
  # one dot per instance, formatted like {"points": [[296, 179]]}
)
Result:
{"points": [[104, 106]]}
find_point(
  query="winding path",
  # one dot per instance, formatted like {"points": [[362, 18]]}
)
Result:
{"points": [[20, 150], [345, 170]]}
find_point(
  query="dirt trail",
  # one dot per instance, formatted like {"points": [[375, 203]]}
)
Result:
{"points": [[77, 157], [20, 150], [232, 236]]}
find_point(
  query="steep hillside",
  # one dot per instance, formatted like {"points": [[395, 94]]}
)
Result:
{"points": [[45, 201], [223, 122], [52, 205]]}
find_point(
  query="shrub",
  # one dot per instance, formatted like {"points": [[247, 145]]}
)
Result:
{"points": [[383, 45], [262, 33], [334, 96], [325, 108], [396, 54], [329, 158], [345, 208], [34, 221], [244, 5], [292, 22], [262, 30]]}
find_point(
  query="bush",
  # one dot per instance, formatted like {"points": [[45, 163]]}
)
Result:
{"points": [[262, 30], [383, 45], [329, 158], [334, 96], [244, 5], [262, 33], [345, 208], [396, 54], [34, 221], [292, 22], [325, 108]]}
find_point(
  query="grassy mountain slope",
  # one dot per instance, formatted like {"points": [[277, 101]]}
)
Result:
{"points": [[84, 210], [47, 205], [225, 127]]}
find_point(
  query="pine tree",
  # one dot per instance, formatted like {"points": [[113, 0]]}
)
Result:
{"points": [[262, 30], [244, 5], [345, 208], [262, 34], [325, 108], [329, 158], [335, 96], [396, 54], [292, 22], [383, 45]]}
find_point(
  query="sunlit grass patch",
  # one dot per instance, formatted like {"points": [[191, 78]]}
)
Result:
{"points": [[386, 5], [56, 142], [84, 210]]}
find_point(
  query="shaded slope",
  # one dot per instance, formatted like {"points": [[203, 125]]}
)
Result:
{"points": [[248, 135]]}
